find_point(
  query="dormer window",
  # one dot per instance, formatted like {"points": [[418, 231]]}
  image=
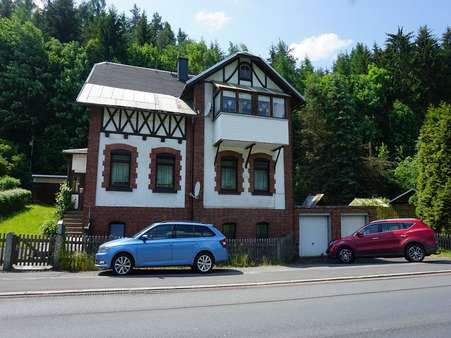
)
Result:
{"points": [[245, 72]]}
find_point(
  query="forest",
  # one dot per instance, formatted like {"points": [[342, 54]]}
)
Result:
{"points": [[376, 124]]}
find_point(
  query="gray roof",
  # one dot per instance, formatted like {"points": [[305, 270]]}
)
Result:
{"points": [[136, 78]]}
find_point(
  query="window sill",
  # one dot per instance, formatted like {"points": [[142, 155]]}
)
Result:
{"points": [[164, 191], [127, 189], [225, 192], [262, 193]]}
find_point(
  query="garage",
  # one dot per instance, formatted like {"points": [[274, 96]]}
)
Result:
{"points": [[351, 223], [313, 235]]}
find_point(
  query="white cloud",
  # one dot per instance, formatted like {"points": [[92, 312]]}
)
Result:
{"points": [[213, 20], [320, 47]]}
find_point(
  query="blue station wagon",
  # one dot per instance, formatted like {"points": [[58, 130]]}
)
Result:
{"points": [[165, 244]]}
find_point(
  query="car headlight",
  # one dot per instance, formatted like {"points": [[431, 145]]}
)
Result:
{"points": [[103, 249]]}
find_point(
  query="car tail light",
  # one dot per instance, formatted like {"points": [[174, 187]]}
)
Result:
{"points": [[223, 242]]}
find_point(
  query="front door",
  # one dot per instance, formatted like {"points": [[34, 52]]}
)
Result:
{"points": [[368, 243], [157, 250]]}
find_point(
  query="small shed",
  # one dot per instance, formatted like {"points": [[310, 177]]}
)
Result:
{"points": [[44, 187]]}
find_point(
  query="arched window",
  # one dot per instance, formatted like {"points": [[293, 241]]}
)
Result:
{"points": [[262, 230], [245, 72], [229, 230], [261, 175], [120, 170], [165, 173], [229, 174]]}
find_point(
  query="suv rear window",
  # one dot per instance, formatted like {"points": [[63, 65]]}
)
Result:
{"points": [[190, 231]]}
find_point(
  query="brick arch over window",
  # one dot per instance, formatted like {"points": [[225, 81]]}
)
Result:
{"points": [[177, 166], [233, 155], [272, 179], [109, 149]]}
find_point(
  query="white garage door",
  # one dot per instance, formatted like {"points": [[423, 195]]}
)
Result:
{"points": [[313, 235], [350, 223]]}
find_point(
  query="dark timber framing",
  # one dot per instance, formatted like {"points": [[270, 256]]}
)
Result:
{"points": [[143, 123]]}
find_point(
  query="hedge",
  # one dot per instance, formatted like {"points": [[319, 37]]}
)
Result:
{"points": [[13, 200], [8, 182]]}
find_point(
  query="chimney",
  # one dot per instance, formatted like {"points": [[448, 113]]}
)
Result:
{"points": [[182, 69]]}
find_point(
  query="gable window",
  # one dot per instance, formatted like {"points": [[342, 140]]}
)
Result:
{"points": [[278, 107], [229, 175], [261, 176], [245, 72], [229, 230], [120, 170], [228, 102], [263, 106], [165, 173], [245, 103], [262, 230]]}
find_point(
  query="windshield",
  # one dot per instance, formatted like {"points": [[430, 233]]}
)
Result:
{"points": [[143, 231]]}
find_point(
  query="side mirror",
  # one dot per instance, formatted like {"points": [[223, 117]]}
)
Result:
{"points": [[145, 237], [359, 234]]}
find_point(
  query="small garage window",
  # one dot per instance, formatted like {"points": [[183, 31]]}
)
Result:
{"points": [[117, 229], [262, 230], [229, 230]]}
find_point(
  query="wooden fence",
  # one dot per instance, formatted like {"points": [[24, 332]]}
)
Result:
{"points": [[444, 241], [259, 249], [34, 250], [85, 243]]}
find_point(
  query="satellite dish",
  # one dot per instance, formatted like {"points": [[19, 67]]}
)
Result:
{"points": [[196, 192]]}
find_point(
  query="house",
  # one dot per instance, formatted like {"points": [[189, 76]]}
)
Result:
{"points": [[215, 147]]}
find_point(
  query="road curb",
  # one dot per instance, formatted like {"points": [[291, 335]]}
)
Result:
{"points": [[162, 289]]}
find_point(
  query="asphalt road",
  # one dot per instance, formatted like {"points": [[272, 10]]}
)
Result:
{"points": [[404, 307]]}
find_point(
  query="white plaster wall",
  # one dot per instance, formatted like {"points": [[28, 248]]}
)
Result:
{"points": [[212, 199], [141, 196], [79, 163]]}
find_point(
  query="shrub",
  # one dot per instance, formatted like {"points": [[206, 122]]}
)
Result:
{"points": [[77, 261], [49, 228], [8, 182], [63, 199], [13, 200]]}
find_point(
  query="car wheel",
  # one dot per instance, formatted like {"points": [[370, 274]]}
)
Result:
{"points": [[415, 253], [345, 255], [203, 262], [122, 264]]}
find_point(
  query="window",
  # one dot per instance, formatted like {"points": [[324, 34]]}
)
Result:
{"points": [[245, 72], [228, 102], [245, 103], [263, 108], [161, 231], [371, 229], [229, 175], [117, 229], [120, 170], [229, 230], [262, 230], [278, 107], [184, 231], [387, 227], [201, 231], [261, 176], [165, 173]]}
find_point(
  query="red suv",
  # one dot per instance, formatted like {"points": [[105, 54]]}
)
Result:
{"points": [[408, 237]]}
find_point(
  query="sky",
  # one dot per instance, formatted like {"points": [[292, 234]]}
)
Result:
{"points": [[319, 29]]}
